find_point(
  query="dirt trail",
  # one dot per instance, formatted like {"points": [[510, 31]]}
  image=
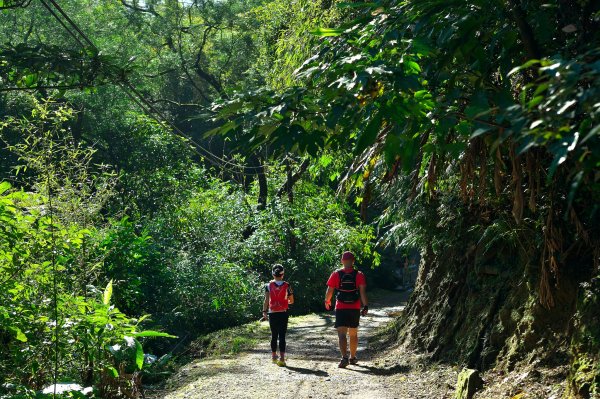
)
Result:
{"points": [[312, 370]]}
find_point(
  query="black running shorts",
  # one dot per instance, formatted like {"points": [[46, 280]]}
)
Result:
{"points": [[347, 318]]}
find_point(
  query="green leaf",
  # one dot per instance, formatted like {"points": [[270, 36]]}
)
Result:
{"points": [[574, 186], [357, 5], [221, 130], [534, 101], [524, 66], [139, 354], [480, 131], [325, 160], [326, 32], [149, 333], [144, 317], [30, 79], [107, 293], [369, 135], [19, 334], [560, 156], [478, 106], [392, 147], [412, 66], [566, 106], [527, 143], [4, 186], [113, 371], [593, 132]]}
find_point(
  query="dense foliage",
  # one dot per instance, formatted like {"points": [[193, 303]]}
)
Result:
{"points": [[461, 103], [111, 217], [159, 156], [474, 129]]}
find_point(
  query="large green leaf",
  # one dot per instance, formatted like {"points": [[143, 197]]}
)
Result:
{"points": [[325, 32], [149, 333], [108, 293], [4, 186], [369, 134], [139, 354], [19, 334], [113, 371]]}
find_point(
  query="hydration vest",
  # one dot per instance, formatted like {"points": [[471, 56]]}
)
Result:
{"points": [[278, 297], [347, 291]]}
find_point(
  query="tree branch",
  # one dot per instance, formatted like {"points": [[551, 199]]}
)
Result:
{"points": [[292, 179], [148, 10], [172, 102], [186, 71], [156, 75], [525, 30]]}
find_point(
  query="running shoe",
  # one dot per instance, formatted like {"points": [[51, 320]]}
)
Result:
{"points": [[343, 363]]}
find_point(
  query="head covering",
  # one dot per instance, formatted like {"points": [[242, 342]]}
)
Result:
{"points": [[348, 256], [277, 270]]}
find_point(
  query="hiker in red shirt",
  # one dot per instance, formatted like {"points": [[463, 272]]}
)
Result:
{"points": [[278, 296], [350, 285]]}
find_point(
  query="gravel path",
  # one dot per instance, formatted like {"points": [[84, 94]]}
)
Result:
{"points": [[312, 370]]}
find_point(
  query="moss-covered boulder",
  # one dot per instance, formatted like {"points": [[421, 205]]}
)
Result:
{"points": [[467, 384]]}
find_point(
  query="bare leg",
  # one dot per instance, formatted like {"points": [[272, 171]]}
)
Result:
{"points": [[353, 341], [343, 341]]}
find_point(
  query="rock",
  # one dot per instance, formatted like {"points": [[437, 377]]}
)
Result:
{"points": [[583, 380], [467, 384]]}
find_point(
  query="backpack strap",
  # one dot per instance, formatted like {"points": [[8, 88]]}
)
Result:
{"points": [[285, 284], [340, 273], [355, 274]]}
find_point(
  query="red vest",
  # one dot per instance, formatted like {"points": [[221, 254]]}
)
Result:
{"points": [[278, 297]]}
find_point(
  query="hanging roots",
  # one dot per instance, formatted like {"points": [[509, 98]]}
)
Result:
{"points": [[546, 297], [498, 166], [533, 175], [483, 160], [364, 205], [518, 201], [581, 231], [467, 173], [596, 256], [415, 174], [432, 174], [553, 243], [585, 236]]}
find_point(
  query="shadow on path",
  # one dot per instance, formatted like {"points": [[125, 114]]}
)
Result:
{"points": [[397, 369], [303, 370]]}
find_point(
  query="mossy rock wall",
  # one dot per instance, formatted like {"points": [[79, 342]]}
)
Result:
{"points": [[483, 310], [584, 376]]}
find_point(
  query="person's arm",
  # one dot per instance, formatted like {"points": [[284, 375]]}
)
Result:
{"points": [[265, 305], [363, 295], [363, 298], [290, 296], [328, 296]]}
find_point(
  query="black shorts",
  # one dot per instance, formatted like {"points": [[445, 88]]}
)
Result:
{"points": [[347, 318]]}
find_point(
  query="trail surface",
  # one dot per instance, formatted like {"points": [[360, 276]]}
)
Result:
{"points": [[312, 370]]}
